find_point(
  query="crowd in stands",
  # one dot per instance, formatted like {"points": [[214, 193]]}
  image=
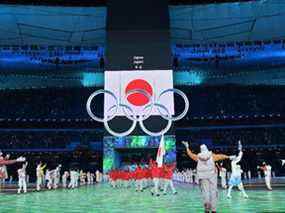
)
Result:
{"points": [[34, 140], [47, 140], [44, 103], [274, 136], [237, 101], [211, 102]]}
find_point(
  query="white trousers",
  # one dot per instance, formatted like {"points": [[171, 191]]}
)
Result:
{"points": [[76, 181], [64, 182], [139, 185], [39, 182], [268, 182], [56, 182], [144, 183], [155, 187], [240, 187], [168, 182], [49, 183], [22, 185], [72, 183], [209, 191], [223, 181]]}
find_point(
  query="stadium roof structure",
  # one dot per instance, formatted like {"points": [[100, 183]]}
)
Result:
{"points": [[246, 21], [86, 26], [48, 25], [93, 3], [43, 25]]}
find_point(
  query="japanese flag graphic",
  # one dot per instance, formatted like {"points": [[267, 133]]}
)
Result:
{"points": [[136, 89]]}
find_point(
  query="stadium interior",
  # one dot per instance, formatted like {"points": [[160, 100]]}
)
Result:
{"points": [[227, 56]]}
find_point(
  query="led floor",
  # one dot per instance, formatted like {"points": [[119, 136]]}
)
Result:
{"points": [[102, 198]]}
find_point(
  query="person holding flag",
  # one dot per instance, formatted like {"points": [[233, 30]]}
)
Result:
{"points": [[155, 173], [156, 167], [168, 176]]}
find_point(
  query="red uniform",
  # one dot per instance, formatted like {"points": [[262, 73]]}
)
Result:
{"points": [[161, 172], [132, 175], [128, 175], [155, 171], [168, 171], [115, 175], [120, 175], [149, 173], [139, 173], [145, 173]]}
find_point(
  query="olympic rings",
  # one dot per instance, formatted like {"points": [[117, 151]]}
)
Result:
{"points": [[88, 105], [138, 118], [186, 101], [122, 134], [163, 131]]}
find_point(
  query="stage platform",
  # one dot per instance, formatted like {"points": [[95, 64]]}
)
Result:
{"points": [[102, 198]]}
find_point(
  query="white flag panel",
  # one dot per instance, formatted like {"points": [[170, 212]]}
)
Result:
{"points": [[153, 82]]}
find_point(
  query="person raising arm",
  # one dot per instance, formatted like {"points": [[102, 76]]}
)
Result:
{"points": [[207, 174], [216, 157]]}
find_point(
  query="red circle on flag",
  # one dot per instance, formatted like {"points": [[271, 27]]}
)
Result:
{"points": [[138, 99]]}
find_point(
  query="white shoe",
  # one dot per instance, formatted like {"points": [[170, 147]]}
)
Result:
{"points": [[229, 196], [245, 196]]}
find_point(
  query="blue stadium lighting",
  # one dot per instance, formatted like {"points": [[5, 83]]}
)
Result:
{"points": [[92, 79], [188, 78], [232, 54], [45, 58]]}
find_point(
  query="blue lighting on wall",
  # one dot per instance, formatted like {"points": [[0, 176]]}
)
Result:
{"points": [[188, 78], [92, 79], [180, 78]]}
